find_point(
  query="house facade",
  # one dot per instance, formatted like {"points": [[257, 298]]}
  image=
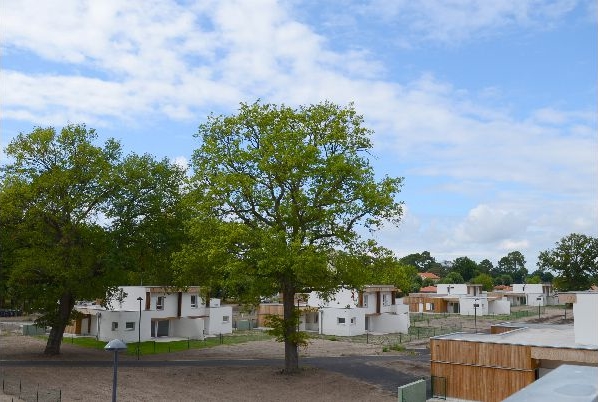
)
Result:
{"points": [[529, 294], [458, 298], [348, 312], [149, 312]]}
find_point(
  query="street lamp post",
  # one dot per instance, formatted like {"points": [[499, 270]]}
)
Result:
{"points": [[115, 345], [475, 313], [539, 299], [139, 329]]}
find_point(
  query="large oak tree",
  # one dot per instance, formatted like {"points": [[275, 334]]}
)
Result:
{"points": [[71, 209], [284, 197]]}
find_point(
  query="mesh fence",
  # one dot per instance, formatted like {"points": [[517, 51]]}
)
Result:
{"points": [[29, 392]]}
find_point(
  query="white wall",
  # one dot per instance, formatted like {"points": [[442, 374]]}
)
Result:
{"points": [[341, 299], [500, 306], [216, 324], [106, 333], [455, 288], [330, 325], [585, 324], [390, 323], [466, 305], [187, 328]]}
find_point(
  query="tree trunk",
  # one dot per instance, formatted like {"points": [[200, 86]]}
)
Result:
{"points": [[65, 308], [291, 352]]}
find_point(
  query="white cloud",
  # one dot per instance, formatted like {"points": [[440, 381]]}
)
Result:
{"points": [[162, 59], [486, 224], [454, 21]]}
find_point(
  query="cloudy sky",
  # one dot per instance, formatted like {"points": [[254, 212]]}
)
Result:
{"points": [[487, 108]]}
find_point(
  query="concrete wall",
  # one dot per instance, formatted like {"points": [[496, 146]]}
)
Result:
{"points": [[585, 324], [500, 306], [220, 320], [341, 299], [390, 323], [187, 328], [107, 331], [455, 288], [466, 305], [354, 321]]}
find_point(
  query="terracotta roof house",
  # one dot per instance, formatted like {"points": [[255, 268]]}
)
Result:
{"points": [[428, 289], [429, 275]]}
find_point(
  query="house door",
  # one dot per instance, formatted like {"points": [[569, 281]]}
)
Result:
{"points": [[160, 328], [367, 323]]}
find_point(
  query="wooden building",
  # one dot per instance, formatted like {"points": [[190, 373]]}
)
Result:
{"points": [[490, 367]]}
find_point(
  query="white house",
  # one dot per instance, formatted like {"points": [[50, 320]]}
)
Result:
{"points": [[461, 298], [585, 311], [148, 312], [349, 312], [535, 294]]}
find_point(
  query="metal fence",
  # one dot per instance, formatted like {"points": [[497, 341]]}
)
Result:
{"points": [[29, 392]]}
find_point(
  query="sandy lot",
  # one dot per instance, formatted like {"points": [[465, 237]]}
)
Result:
{"points": [[187, 383], [261, 383]]}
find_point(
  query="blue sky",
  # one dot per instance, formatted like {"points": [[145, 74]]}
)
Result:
{"points": [[487, 108]]}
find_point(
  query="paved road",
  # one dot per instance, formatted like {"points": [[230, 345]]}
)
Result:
{"points": [[359, 367]]}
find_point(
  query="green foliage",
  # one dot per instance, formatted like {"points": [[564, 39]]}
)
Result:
{"points": [[533, 279], [77, 218], [148, 218], [513, 264], [423, 262], [452, 277], [574, 261], [281, 197], [53, 194], [485, 280], [280, 329], [466, 267], [485, 266], [385, 269]]}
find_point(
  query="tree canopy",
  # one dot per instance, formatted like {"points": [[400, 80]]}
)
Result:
{"points": [[290, 195], [62, 198], [574, 260]]}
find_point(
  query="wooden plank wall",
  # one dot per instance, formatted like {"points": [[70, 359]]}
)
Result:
{"points": [[265, 310], [440, 305], [481, 371]]}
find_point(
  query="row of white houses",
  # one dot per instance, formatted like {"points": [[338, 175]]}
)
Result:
{"points": [[146, 312]]}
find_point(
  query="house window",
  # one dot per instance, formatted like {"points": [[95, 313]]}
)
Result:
{"points": [[160, 303], [114, 325], [194, 301], [386, 300], [365, 300], [130, 325], [225, 318], [340, 320], [353, 320]]}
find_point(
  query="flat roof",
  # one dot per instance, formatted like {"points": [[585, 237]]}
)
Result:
{"points": [[566, 383], [541, 335]]}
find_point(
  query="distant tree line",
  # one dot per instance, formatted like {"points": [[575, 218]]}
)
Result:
{"points": [[571, 265]]}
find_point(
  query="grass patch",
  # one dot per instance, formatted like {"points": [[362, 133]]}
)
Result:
{"points": [[153, 347]]}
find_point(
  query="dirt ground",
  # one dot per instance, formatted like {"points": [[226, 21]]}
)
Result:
{"points": [[192, 383]]}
